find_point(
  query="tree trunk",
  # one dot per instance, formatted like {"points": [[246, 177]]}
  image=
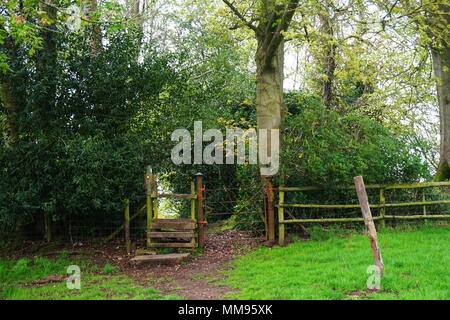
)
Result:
{"points": [[10, 123], [10, 99], [329, 60], [274, 19], [270, 111], [46, 67], [441, 66], [95, 39], [270, 108]]}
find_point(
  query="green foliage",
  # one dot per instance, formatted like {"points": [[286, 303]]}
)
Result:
{"points": [[89, 121], [83, 151], [322, 147]]}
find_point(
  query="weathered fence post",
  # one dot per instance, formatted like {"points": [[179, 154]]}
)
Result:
{"points": [[154, 196], [270, 210], [281, 226], [127, 226], [149, 204], [48, 227], [200, 218], [368, 221], [424, 206], [193, 201], [382, 208]]}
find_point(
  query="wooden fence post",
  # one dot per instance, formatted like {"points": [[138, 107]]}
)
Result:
{"points": [[155, 200], [270, 210], [424, 206], [149, 204], [281, 226], [200, 218], [48, 226], [193, 201], [127, 226], [368, 221], [382, 208]]}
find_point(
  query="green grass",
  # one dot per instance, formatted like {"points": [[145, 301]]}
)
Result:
{"points": [[16, 278], [416, 267], [110, 269]]}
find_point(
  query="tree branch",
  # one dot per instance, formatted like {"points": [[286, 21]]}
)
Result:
{"points": [[282, 26], [239, 15]]}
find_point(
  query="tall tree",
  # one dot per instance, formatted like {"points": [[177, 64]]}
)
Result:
{"points": [[9, 99], [95, 38], [20, 27], [328, 64], [273, 19], [440, 52], [431, 19]]}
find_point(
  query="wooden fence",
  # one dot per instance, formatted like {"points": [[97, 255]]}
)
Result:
{"points": [[382, 205]]}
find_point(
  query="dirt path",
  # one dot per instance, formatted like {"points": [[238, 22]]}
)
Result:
{"points": [[200, 277]]}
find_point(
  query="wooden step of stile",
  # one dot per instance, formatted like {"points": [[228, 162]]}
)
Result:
{"points": [[175, 224], [170, 258], [171, 234], [172, 245]]}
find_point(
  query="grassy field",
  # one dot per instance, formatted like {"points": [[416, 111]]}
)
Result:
{"points": [[96, 283], [331, 265], [417, 266]]}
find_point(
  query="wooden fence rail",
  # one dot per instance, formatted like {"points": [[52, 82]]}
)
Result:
{"points": [[382, 205]]}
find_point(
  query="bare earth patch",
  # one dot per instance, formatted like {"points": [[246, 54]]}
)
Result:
{"points": [[198, 278]]}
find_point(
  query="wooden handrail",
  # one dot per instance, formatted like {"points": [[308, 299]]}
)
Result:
{"points": [[174, 196], [373, 186], [350, 206]]}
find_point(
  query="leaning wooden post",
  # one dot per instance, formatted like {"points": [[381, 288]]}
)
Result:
{"points": [[200, 218], [270, 210], [382, 208], [368, 221], [281, 226], [149, 204], [127, 226]]}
